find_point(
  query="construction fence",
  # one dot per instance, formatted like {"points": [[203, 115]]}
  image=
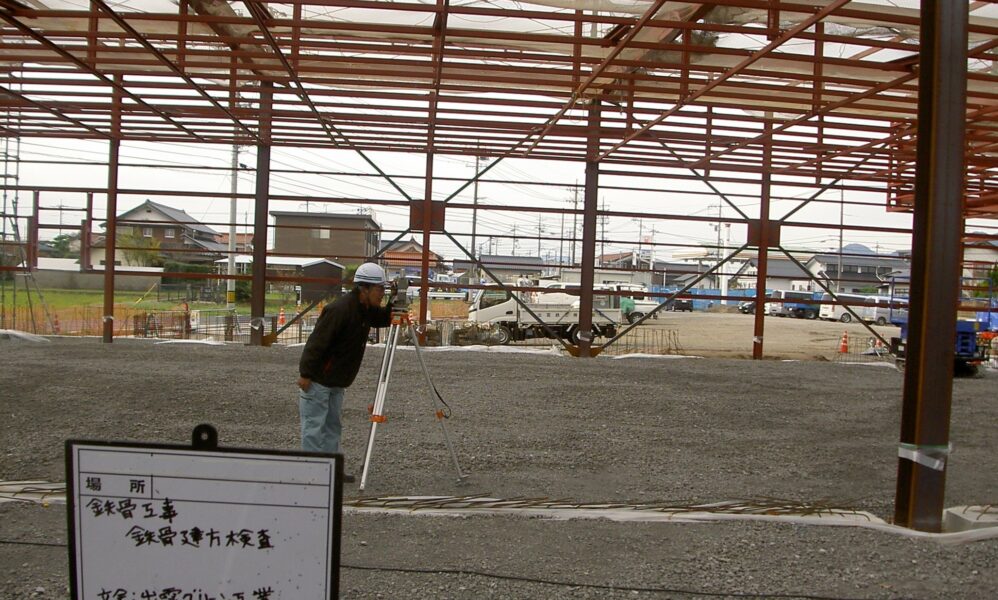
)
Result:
{"points": [[227, 326]]}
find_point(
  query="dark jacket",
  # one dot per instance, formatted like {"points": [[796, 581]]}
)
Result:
{"points": [[335, 349]]}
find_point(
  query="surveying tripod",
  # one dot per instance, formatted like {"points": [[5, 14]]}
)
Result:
{"points": [[401, 320]]}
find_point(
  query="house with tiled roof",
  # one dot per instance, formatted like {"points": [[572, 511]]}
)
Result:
{"points": [[152, 233], [406, 257]]}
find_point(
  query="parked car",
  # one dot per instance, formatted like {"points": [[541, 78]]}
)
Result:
{"points": [[747, 308], [681, 304]]}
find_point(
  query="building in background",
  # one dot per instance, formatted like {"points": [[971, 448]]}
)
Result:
{"points": [[506, 268], [347, 239], [153, 234], [863, 270], [406, 257]]}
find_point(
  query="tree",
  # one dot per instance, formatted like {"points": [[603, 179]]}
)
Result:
{"points": [[140, 251], [348, 272], [61, 246]]}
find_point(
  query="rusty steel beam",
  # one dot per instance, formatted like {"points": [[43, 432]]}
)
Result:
{"points": [[935, 271], [440, 32], [116, 83], [785, 37], [762, 255], [578, 92], [260, 17], [258, 288], [589, 210], [121, 22], [111, 230], [54, 111], [824, 110]]}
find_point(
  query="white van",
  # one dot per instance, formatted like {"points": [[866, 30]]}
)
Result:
{"points": [[884, 314], [837, 312]]}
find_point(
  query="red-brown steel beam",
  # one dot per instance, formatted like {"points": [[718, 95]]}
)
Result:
{"points": [[835, 105], [260, 17], [115, 83], [579, 91], [54, 111], [762, 256], [786, 36], [258, 289], [111, 229], [121, 22], [935, 272], [589, 217], [440, 33]]}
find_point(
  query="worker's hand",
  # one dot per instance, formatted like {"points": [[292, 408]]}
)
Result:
{"points": [[392, 290], [304, 383]]}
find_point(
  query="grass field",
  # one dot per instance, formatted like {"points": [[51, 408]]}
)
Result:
{"points": [[58, 300], [81, 312]]}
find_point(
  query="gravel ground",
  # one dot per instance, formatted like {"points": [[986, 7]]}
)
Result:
{"points": [[631, 430]]}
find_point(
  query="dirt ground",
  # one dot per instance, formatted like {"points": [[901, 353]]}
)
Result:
{"points": [[725, 333], [647, 431], [730, 334]]}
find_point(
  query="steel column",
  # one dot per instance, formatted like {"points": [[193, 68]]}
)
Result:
{"points": [[762, 256], [935, 270], [590, 201], [260, 218], [111, 231], [424, 288], [439, 31]]}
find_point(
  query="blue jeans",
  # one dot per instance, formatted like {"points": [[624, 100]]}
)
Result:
{"points": [[321, 410]]}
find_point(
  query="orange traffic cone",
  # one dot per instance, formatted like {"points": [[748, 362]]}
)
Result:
{"points": [[844, 343], [280, 317]]}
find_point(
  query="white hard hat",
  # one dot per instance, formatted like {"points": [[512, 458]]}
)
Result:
{"points": [[369, 273]]}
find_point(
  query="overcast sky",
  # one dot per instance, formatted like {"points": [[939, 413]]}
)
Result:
{"points": [[174, 170]]}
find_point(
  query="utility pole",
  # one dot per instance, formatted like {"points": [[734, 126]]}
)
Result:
{"points": [[602, 234], [575, 219], [641, 233], [842, 216], [474, 213], [514, 240], [230, 283], [721, 284], [540, 232], [651, 256]]}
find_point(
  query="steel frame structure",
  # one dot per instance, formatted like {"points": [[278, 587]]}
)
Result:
{"points": [[713, 92]]}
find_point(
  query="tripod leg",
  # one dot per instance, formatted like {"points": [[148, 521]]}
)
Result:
{"points": [[431, 391], [377, 411]]}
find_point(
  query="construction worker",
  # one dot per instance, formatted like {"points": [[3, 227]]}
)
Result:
{"points": [[332, 357]]}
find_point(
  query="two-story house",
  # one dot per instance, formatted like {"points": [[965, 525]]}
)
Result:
{"points": [[348, 239], [152, 233]]}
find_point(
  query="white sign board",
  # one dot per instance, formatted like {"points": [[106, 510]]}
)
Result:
{"points": [[169, 522]]}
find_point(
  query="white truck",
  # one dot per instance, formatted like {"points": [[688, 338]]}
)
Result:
{"points": [[497, 307], [632, 307]]}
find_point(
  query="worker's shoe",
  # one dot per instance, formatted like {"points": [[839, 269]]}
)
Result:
{"points": [[348, 478]]}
